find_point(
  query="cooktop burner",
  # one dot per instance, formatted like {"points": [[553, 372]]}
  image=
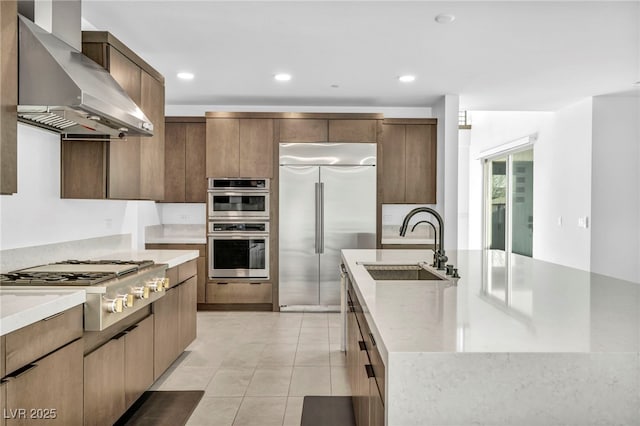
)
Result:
{"points": [[140, 263], [53, 278]]}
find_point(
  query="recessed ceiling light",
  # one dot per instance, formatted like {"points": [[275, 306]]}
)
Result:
{"points": [[407, 78], [637, 83], [282, 77], [334, 86], [185, 76], [445, 18]]}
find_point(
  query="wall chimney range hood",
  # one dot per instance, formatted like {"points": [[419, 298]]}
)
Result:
{"points": [[62, 90]]}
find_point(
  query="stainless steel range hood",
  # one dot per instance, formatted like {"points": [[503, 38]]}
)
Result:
{"points": [[62, 90]]}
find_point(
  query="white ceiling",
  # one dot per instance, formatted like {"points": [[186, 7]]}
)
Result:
{"points": [[504, 55]]}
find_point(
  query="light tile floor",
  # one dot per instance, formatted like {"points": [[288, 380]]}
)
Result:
{"points": [[256, 367]]}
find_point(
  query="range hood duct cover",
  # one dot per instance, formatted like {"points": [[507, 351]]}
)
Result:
{"points": [[62, 90]]}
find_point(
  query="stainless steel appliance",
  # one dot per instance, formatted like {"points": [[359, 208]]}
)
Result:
{"points": [[115, 289], [238, 248], [327, 203], [238, 198]]}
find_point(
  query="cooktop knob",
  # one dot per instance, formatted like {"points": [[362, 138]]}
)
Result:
{"points": [[113, 305], [127, 300], [155, 285], [140, 292]]}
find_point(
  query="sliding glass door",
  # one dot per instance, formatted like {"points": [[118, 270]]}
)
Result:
{"points": [[509, 202]]}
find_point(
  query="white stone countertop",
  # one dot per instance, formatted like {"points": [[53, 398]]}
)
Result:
{"points": [[170, 257], [498, 306], [20, 308], [176, 234]]}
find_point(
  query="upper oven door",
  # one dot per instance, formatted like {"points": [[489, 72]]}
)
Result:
{"points": [[238, 204], [238, 184]]}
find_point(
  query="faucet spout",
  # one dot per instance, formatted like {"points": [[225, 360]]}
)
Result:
{"points": [[439, 258]]}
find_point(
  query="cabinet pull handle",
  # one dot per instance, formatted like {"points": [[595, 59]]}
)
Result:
{"points": [[369, 369], [53, 316], [222, 283], [130, 329], [255, 283], [22, 371], [363, 346], [120, 335], [373, 341]]}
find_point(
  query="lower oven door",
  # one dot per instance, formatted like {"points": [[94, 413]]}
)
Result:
{"points": [[238, 256]]}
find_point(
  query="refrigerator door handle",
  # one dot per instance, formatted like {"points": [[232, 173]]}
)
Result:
{"points": [[321, 248], [317, 210]]}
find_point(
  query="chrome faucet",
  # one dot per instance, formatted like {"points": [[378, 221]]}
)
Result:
{"points": [[439, 257]]}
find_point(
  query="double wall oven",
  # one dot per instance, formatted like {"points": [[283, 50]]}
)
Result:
{"points": [[238, 228]]}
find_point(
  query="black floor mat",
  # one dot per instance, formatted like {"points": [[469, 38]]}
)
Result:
{"points": [[327, 410], [161, 408]]}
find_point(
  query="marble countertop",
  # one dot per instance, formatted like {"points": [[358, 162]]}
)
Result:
{"points": [[498, 305], [170, 257], [19, 308], [176, 234]]}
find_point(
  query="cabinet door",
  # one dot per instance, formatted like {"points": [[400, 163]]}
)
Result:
{"points": [[52, 382], [393, 163], [223, 149], [195, 190], [376, 408], [238, 292], [152, 148], [104, 383], [188, 306], [202, 279], [9, 97], [303, 130], [174, 162], [353, 131], [124, 155], [3, 399], [421, 164], [165, 331], [84, 169], [138, 352], [256, 147]]}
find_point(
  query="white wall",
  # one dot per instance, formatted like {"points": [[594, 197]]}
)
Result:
{"points": [[446, 110], [37, 215], [464, 145], [183, 213], [615, 185], [562, 187], [562, 177]]}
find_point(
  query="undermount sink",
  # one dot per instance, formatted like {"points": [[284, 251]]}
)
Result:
{"points": [[381, 272]]}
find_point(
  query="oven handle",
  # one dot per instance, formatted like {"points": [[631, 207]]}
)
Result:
{"points": [[239, 192], [237, 236]]}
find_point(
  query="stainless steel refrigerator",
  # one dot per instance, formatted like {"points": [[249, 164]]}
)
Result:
{"points": [[327, 203]]}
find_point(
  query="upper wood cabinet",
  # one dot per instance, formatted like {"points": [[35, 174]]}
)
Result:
{"points": [[239, 147], [184, 160], [304, 130], [132, 168], [8, 97], [353, 131], [409, 161]]}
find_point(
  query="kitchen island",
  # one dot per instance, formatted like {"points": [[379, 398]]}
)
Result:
{"points": [[514, 341]]}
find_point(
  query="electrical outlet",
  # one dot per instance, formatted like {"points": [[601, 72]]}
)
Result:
{"points": [[583, 222], [108, 223], [184, 217], [560, 221]]}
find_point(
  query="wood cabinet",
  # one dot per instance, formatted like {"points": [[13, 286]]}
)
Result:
{"points": [[166, 346], [364, 367], [184, 160], [43, 367], [175, 316], [353, 131], [304, 130], [132, 168], [225, 292], [49, 388], [201, 263], [239, 147], [8, 97], [104, 383], [138, 368], [409, 161]]}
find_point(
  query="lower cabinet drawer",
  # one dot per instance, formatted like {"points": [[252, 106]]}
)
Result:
{"points": [[238, 292]]}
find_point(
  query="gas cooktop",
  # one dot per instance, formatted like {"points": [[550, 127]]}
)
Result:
{"points": [[74, 272]]}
